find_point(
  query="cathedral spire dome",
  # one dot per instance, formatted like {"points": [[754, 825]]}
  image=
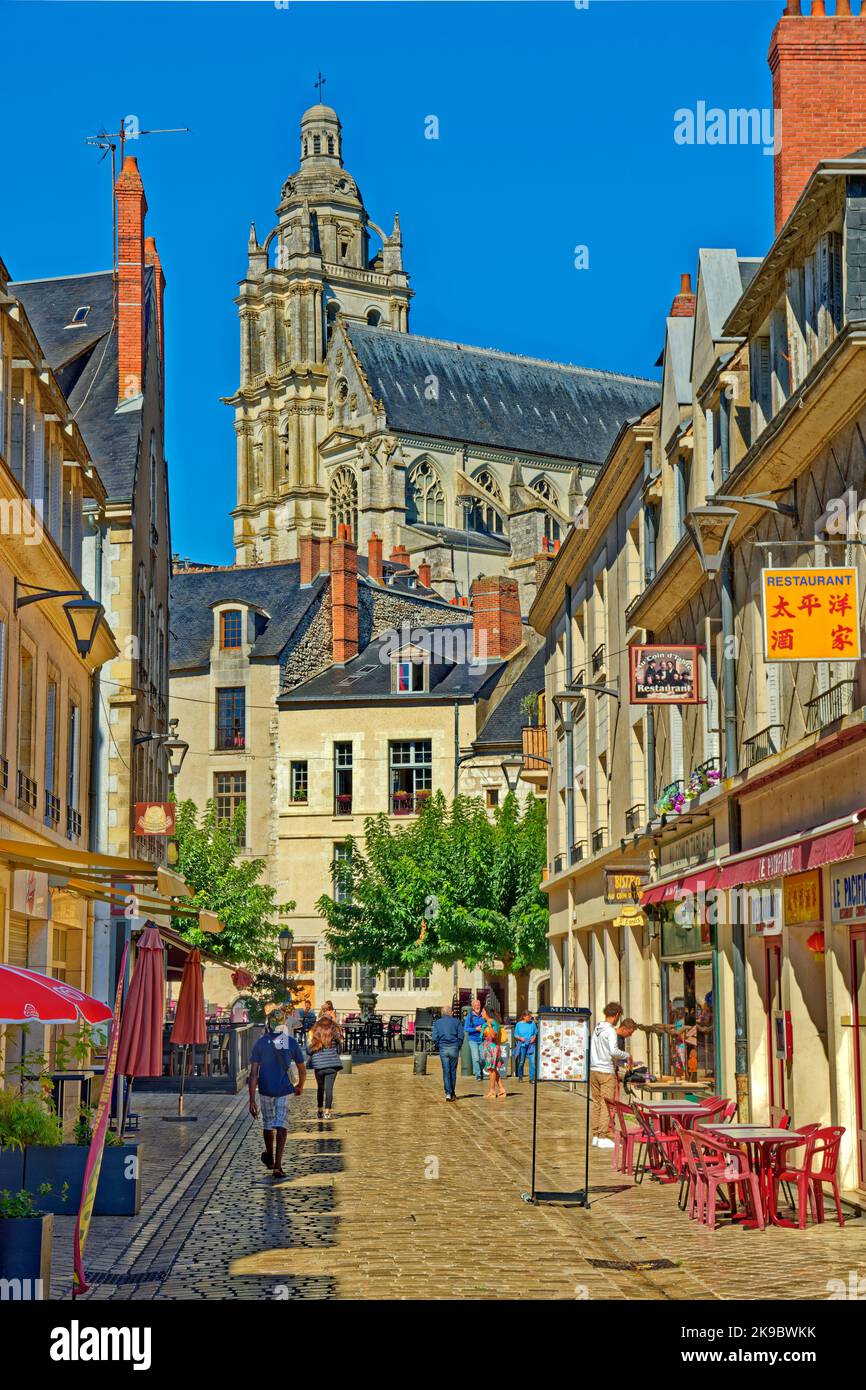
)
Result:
{"points": [[321, 135]]}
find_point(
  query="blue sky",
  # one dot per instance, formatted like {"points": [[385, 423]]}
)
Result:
{"points": [[555, 131]]}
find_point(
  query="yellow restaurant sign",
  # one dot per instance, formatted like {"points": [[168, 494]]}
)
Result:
{"points": [[811, 614], [802, 898]]}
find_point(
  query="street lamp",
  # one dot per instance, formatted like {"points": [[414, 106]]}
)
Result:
{"points": [[176, 748], [711, 526], [83, 613], [512, 766], [285, 939]]}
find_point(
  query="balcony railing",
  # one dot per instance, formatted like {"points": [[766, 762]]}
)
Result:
{"points": [[599, 839], [52, 809], [73, 824], [829, 706], [408, 803], [4, 773], [27, 792], [342, 804], [535, 749], [230, 736], [558, 863], [634, 817], [763, 744], [577, 852], [597, 659]]}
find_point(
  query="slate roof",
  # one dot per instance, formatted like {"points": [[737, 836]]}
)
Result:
{"points": [[368, 675], [495, 398], [451, 535], [505, 723], [85, 362]]}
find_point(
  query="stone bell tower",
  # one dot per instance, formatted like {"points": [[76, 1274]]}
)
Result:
{"points": [[324, 258]]}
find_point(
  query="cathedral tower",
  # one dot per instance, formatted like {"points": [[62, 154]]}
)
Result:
{"points": [[324, 258]]}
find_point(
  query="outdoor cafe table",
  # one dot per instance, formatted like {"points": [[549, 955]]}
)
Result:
{"points": [[761, 1141], [667, 1110]]}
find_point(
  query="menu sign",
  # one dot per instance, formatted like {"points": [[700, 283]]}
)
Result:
{"points": [[563, 1038]]}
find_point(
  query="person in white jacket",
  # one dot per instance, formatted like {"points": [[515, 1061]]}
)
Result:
{"points": [[604, 1053]]}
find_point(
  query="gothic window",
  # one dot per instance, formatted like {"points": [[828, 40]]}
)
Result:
{"points": [[344, 502], [551, 527], [481, 515], [426, 500], [543, 488], [486, 480]]}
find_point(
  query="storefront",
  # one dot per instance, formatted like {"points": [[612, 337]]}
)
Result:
{"points": [[848, 924]]}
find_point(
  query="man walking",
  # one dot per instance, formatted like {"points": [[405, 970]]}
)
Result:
{"points": [[448, 1034], [277, 1070], [604, 1053], [525, 1038], [474, 1027]]}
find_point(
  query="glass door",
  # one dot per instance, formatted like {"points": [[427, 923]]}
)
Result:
{"points": [[773, 1001], [858, 1002]]}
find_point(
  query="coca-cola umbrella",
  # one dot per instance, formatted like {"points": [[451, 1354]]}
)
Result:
{"points": [[190, 1025], [28, 997], [139, 1051]]}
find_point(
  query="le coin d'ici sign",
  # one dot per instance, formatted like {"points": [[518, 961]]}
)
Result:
{"points": [[811, 614]]}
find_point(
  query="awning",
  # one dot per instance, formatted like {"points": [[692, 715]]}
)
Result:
{"points": [[810, 849], [699, 881], [106, 878]]}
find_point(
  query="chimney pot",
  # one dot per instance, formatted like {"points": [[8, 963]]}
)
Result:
{"points": [[683, 306], [496, 619], [400, 556], [131, 210], [424, 574], [344, 597], [374, 557]]}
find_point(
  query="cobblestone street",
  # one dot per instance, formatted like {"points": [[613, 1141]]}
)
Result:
{"points": [[394, 1198]]}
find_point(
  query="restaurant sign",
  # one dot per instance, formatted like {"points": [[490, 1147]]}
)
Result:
{"points": [[154, 818], [624, 885], [695, 848], [848, 892], [664, 675], [802, 898], [811, 614]]}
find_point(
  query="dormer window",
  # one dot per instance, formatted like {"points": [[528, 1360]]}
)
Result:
{"points": [[231, 628], [408, 676], [79, 318]]}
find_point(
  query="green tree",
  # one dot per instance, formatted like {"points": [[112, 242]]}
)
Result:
{"points": [[454, 885], [208, 860]]}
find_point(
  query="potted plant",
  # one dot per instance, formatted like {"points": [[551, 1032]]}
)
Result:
{"points": [[529, 707], [26, 1233], [118, 1192], [24, 1120]]}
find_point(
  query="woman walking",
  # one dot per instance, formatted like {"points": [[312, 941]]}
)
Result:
{"points": [[326, 1038], [491, 1038]]}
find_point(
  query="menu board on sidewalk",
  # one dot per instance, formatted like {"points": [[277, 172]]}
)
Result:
{"points": [[563, 1038]]}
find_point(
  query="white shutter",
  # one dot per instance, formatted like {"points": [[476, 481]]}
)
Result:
{"points": [[50, 736], [55, 501], [810, 310], [837, 307], [794, 314], [676, 734], [711, 691], [824, 283]]}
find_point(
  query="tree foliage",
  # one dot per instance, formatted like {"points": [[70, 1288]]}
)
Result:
{"points": [[208, 860], [453, 885]]}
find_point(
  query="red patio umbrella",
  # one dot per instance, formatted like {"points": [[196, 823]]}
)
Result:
{"points": [[140, 1049], [28, 997], [190, 1025]]}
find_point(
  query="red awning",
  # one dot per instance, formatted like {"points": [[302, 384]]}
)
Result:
{"points": [[699, 882], [808, 853]]}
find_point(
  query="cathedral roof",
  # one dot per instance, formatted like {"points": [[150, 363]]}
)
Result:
{"points": [[84, 361], [496, 398]]}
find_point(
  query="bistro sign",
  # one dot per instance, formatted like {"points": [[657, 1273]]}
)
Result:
{"points": [[623, 886]]}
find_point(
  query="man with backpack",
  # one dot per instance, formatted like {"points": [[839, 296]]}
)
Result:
{"points": [[277, 1070]]}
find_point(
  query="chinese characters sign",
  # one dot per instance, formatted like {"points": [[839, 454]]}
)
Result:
{"points": [[811, 614], [664, 675], [803, 898], [563, 1040]]}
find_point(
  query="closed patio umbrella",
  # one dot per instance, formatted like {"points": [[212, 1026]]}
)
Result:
{"points": [[190, 1025], [140, 1048]]}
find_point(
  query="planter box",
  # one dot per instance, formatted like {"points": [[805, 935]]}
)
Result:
{"points": [[25, 1256], [11, 1170], [117, 1193]]}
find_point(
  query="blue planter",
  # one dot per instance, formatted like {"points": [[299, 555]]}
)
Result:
{"points": [[11, 1170], [25, 1255], [119, 1189]]}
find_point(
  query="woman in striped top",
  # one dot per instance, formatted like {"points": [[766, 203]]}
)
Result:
{"points": [[326, 1038]]}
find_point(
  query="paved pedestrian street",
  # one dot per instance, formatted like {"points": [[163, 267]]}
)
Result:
{"points": [[396, 1197]]}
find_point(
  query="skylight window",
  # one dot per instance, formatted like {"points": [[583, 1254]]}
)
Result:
{"points": [[79, 317]]}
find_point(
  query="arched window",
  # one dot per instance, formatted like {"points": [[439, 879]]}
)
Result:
{"points": [[481, 515], [332, 309], [551, 527], [543, 488], [374, 318], [484, 478], [425, 501], [343, 500]]}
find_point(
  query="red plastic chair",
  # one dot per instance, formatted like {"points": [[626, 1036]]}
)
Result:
{"points": [[789, 1174], [824, 1159], [656, 1150], [720, 1164], [626, 1137]]}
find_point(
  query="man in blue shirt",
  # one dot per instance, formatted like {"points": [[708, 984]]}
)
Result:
{"points": [[525, 1035], [448, 1034], [474, 1028], [277, 1069]]}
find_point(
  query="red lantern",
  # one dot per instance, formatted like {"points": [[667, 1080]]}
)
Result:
{"points": [[815, 944]]}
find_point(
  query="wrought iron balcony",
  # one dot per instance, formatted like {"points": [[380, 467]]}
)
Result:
{"points": [[28, 794], [342, 804], [558, 863], [599, 839], [73, 825], [408, 803], [763, 744], [52, 809], [4, 773], [230, 735], [829, 706], [634, 817], [578, 851], [597, 659]]}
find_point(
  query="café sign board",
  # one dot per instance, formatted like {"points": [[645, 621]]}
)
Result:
{"points": [[694, 848], [848, 891], [624, 885]]}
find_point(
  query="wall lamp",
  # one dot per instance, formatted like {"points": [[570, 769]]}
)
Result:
{"points": [[570, 697], [83, 613], [176, 748], [710, 527]]}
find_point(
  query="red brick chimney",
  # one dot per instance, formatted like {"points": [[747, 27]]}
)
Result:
{"points": [[683, 306], [424, 574], [374, 557], [314, 553], [400, 556], [818, 62], [131, 209], [496, 616], [151, 257], [344, 597]]}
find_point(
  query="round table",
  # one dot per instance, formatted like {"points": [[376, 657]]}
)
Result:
{"points": [[761, 1142]]}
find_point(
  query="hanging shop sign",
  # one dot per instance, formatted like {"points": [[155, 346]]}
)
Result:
{"points": [[690, 849], [30, 892], [802, 899], [811, 614], [563, 1045], [154, 818], [624, 885], [848, 892], [664, 675]]}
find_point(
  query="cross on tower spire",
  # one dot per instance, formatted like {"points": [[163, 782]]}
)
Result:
{"points": [[320, 82]]}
